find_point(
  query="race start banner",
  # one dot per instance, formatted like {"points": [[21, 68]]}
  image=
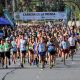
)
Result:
{"points": [[39, 15]]}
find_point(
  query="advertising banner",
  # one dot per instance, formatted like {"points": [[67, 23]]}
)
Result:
{"points": [[39, 15]]}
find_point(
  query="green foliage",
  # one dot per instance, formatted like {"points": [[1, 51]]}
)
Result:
{"points": [[77, 14], [40, 5], [1, 9], [74, 8]]}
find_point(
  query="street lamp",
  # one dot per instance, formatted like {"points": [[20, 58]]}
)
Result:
{"points": [[13, 4], [57, 5]]}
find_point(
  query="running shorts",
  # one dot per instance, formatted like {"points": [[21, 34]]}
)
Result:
{"points": [[7, 54], [65, 51], [31, 51], [23, 51], [52, 52], [14, 52], [72, 47], [42, 53], [2, 55]]}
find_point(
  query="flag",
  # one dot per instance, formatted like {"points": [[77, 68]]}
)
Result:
{"points": [[8, 17]]}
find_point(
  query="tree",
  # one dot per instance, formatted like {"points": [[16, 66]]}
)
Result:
{"points": [[40, 5], [54, 5], [1, 9]]}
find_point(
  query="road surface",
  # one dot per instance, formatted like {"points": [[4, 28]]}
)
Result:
{"points": [[70, 71]]}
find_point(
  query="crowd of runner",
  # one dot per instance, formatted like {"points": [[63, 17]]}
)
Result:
{"points": [[39, 45]]}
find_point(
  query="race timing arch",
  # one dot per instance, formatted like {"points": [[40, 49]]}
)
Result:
{"points": [[40, 16]]}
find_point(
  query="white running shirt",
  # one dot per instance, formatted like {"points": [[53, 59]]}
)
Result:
{"points": [[71, 41]]}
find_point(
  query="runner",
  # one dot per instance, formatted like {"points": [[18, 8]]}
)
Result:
{"points": [[18, 44], [64, 48], [14, 50], [35, 52], [72, 42], [2, 52], [51, 51], [42, 52], [22, 50], [7, 52], [31, 52]]}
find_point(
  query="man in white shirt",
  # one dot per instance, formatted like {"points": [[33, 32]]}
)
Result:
{"points": [[72, 42], [22, 49]]}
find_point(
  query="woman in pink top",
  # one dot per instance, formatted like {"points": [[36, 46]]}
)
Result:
{"points": [[18, 44]]}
